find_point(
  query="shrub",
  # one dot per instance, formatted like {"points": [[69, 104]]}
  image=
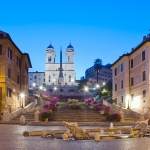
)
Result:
{"points": [[114, 117], [45, 115], [74, 106]]}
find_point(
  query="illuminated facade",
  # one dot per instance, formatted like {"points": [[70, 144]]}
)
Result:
{"points": [[61, 73], [36, 79], [13, 75], [131, 78]]}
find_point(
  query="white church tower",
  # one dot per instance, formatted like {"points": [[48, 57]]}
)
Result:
{"points": [[61, 73], [70, 53], [50, 54]]}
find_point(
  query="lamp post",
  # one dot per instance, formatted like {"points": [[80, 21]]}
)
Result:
{"points": [[22, 99], [86, 89], [34, 85]]}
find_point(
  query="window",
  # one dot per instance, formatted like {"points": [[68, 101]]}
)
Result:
{"points": [[1, 49], [122, 84], [122, 99], [115, 87], [70, 78], [144, 93], [51, 90], [9, 53], [132, 96], [144, 75], [143, 55], [35, 77], [131, 63], [9, 73], [9, 92], [132, 81], [17, 62], [115, 71], [121, 67], [49, 78], [61, 90], [49, 59]]}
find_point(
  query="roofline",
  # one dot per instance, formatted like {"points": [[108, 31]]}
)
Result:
{"points": [[35, 72], [122, 56], [10, 39], [29, 60], [145, 40]]}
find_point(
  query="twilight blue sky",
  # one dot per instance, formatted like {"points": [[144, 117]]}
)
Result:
{"points": [[97, 29]]}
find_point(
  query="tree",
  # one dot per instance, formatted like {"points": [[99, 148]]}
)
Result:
{"points": [[97, 67], [106, 91], [82, 83]]}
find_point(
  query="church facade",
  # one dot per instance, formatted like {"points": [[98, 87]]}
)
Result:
{"points": [[59, 73]]}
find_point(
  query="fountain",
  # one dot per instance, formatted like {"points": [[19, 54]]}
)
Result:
{"points": [[73, 131]]}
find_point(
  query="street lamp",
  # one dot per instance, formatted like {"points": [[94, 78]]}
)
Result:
{"points": [[104, 83], [34, 84], [86, 88], [41, 87], [97, 86], [55, 88], [22, 99], [22, 95]]}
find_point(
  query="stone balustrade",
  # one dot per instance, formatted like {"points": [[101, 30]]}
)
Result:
{"points": [[9, 116]]}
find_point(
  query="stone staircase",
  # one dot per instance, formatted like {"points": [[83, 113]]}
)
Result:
{"points": [[28, 115], [78, 116]]}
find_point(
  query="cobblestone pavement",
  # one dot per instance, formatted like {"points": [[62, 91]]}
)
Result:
{"points": [[11, 139]]}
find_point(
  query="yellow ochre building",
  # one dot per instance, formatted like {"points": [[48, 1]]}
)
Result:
{"points": [[14, 67]]}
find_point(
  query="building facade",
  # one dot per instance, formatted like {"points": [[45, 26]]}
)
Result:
{"points": [[36, 79], [131, 78], [61, 73], [13, 75], [104, 74]]}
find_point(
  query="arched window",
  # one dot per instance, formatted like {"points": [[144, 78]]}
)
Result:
{"points": [[69, 78], [49, 78], [68, 58], [49, 59]]}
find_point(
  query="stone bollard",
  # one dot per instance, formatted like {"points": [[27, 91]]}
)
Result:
{"points": [[22, 120], [37, 116]]}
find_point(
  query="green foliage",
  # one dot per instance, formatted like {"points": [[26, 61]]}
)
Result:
{"points": [[105, 90], [71, 104], [82, 83], [25, 133], [114, 117], [46, 115]]}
